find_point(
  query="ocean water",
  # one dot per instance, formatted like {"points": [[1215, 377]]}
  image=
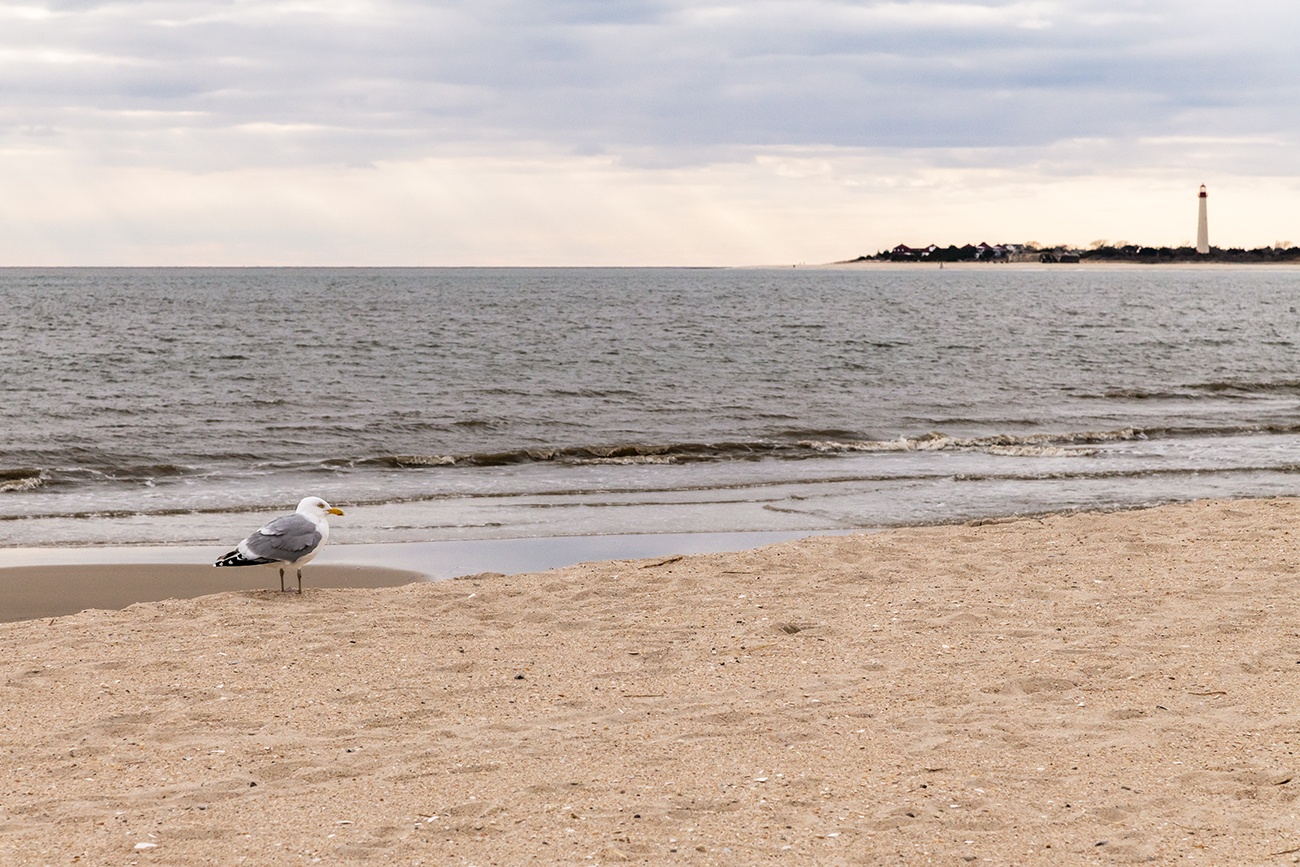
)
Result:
{"points": [[180, 405]]}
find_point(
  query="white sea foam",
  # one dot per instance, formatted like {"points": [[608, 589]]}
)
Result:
{"points": [[426, 460], [1033, 445], [1029, 451], [632, 460]]}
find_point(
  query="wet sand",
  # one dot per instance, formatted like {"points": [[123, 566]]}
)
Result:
{"points": [[28, 592], [1098, 688]]}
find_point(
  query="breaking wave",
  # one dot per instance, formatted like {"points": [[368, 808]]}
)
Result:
{"points": [[1239, 389], [1032, 445], [1012, 445], [20, 480]]}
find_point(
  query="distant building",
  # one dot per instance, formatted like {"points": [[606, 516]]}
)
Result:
{"points": [[902, 251], [1202, 225], [1059, 255], [984, 250]]}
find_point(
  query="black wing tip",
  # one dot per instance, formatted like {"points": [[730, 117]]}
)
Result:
{"points": [[234, 558]]}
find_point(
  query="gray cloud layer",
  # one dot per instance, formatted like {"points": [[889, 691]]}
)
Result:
{"points": [[210, 85]]}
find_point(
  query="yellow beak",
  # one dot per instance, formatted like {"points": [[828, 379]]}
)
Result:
{"points": [[334, 511]]}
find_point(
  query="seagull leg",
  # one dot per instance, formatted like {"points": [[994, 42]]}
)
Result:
{"points": [[299, 582], [281, 579]]}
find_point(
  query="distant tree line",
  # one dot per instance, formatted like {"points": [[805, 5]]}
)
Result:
{"points": [[1138, 253], [982, 252]]}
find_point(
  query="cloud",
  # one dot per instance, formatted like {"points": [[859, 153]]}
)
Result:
{"points": [[651, 131], [213, 85]]}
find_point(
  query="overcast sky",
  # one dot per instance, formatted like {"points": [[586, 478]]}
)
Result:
{"points": [[635, 132]]}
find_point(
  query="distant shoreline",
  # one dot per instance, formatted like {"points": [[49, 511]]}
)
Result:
{"points": [[1084, 265]]}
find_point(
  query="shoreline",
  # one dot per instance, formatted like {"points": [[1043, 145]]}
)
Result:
{"points": [[52, 582], [1060, 689], [1053, 266]]}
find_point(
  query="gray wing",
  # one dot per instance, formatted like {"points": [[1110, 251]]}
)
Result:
{"points": [[287, 538]]}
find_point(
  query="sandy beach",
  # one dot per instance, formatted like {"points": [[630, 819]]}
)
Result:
{"points": [[1093, 688]]}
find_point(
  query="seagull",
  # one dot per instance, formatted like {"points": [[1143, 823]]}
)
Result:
{"points": [[289, 541]]}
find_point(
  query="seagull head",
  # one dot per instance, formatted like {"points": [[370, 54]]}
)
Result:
{"points": [[316, 507]]}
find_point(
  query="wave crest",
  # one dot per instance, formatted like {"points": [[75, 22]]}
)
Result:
{"points": [[14, 481], [1031, 445], [1015, 445]]}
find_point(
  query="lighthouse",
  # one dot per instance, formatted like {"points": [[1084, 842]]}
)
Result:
{"points": [[1202, 226]]}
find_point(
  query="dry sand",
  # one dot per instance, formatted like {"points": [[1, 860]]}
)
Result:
{"points": [[1100, 689]]}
